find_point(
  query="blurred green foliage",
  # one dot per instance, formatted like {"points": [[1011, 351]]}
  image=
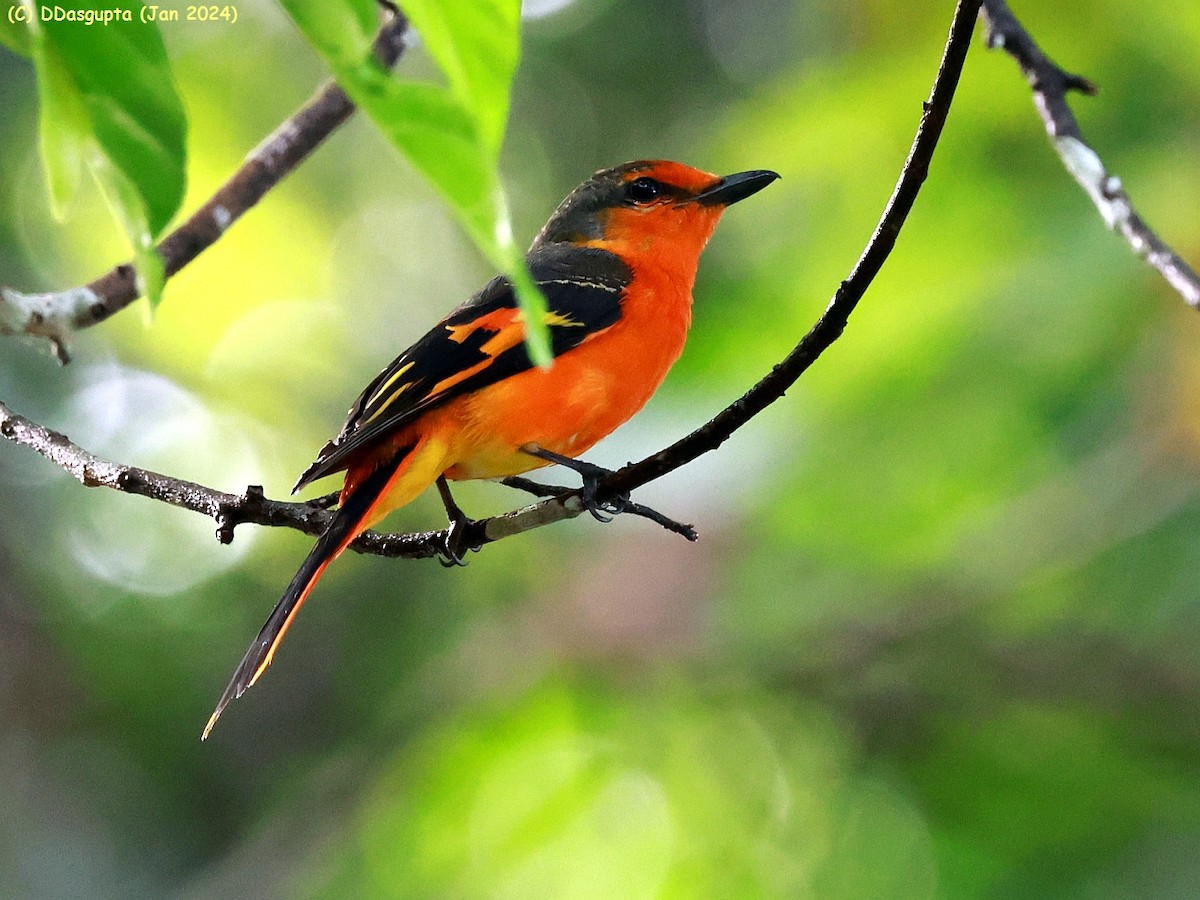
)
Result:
{"points": [[940, 637]]}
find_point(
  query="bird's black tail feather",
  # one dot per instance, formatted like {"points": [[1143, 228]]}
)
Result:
{"points": [[347, 523]]}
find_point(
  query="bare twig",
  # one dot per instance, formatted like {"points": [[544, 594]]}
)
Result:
{"points": [[58, 314], [230, 509], [1050, 85]]}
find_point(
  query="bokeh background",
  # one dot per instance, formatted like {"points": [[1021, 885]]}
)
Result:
{"points": [[940, 637]]}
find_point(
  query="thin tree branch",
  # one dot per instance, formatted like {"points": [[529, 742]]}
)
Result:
{"points": [[627, 508], [832, 322], [1050, 85], [251, 506], [58, 314], [228, 510]]}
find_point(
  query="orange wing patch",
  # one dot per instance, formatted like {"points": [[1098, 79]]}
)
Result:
{"points": [[508, 335], [496, 320]]}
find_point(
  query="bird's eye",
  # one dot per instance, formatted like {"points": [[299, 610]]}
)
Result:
{"points": [[643, 190]]}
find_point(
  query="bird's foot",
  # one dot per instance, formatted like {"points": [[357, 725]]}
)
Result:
{"points": [[631, 509], [453, 549], [602, 511]]}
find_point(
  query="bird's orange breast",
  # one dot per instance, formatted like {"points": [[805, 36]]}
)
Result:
{"points": [[586, 393]]}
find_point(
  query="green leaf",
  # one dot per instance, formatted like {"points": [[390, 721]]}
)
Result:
{"points": [[127, 208], [452, 136], [63, 131], [121, 73], [533, 305], [342, 31], [440, 138], [477, 45], [107, 99]]}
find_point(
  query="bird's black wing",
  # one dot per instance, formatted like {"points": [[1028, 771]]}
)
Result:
{"points": [[481, 343]]}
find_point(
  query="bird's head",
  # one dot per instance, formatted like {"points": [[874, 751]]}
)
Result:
{"points": [[658, 207]]}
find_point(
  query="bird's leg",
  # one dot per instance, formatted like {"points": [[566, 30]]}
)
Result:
{"points": [[455, 546], [591, 475], [631, 509]]}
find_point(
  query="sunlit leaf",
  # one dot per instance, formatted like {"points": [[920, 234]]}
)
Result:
{"points": [[127, 208], [121, 74], [63, 131], [533, 304], [451, 135], [341, 30], [440, 138], [107, 98], [477, 45]]}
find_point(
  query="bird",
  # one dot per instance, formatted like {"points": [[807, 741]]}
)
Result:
{"points": [[616, 262]]}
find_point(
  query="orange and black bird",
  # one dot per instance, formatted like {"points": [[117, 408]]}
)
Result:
{"points": [[616, 262]]}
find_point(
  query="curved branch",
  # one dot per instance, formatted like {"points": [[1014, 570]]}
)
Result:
{"points": [[56, 315], [829, 327], [228, 510], [1050, 85]]}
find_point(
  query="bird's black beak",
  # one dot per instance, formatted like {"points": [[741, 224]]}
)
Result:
{"points": [[733, 188]]}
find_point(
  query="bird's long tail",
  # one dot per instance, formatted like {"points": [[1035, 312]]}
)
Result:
{"points": [[351, 519]]}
